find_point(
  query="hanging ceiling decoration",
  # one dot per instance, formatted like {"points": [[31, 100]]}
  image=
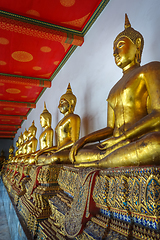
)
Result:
{"points": [[36, 39]]}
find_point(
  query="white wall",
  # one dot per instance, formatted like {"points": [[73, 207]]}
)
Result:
{"points": [[91, 69]]}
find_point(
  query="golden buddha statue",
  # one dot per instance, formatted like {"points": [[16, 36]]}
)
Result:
{"points": [[67, 131], [133, 124], [10, 157], [20, 143], [46, 137], [32, 143], [25, 139], [17, 151]]}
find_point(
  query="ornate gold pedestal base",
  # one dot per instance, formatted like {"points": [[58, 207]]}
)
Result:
{"points": [[34, 206], [119, 203]]}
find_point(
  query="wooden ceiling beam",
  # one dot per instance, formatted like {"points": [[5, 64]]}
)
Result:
{"points": [[24, 81], [17, 104], [9, 127], [39, 31], [12, 117], [7, 132], [7, 136]]}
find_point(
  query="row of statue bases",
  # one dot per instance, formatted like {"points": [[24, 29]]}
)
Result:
{"points": [[132, 135]]}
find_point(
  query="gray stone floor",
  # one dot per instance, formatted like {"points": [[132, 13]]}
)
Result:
{"points": [[4, 229]]}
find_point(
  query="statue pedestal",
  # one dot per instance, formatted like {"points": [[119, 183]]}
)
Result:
{"points": [[122, 203], [8, 176], [33, 205], [18, 186]]}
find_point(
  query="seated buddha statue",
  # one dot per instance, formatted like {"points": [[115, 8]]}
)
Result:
{"points": [[31, 142], [11, 155], [25, 139], [46, 137], [20, 143], [17, 151], [67, 131], [132, 135]]}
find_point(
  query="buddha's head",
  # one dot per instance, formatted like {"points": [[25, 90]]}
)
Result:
{"points": [[45, 117], [25, 135], [128, 47], [32, 130], [67, 101], [17, 144], [20, 139], [11, 149]]}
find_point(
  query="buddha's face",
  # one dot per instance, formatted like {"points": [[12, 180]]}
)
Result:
{"points": [[25, 136], [11, 150], [20, 140], [124, 52], [63, 106], [43, 121], [30, 132]]}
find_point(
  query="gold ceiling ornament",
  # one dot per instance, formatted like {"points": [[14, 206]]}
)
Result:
{"points": [[5, 120], [13, 90], [22, 56], [28, 87], [36, 68], [33, 13], [1, 84], [67, 3], [65, 45], [45, 49], [3, 63], [56, 62], [23, 96], [78, 22], [45, 75], [18, 72], [4, 41], [8, 109]]}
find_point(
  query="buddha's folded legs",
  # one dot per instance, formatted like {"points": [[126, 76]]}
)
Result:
{"points": [[144, 151], [57, 157], [89, 154]]}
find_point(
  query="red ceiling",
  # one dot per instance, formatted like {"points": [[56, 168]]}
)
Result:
{"points": [[67, 13], [36, 39]]}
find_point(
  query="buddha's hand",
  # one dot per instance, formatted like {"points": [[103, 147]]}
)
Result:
{"points": [[35, 158], [112, 142], [76, 146]]}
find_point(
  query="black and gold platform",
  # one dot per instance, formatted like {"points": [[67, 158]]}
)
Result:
{"points": [[118, 203], [65, 202], [33, 205]]}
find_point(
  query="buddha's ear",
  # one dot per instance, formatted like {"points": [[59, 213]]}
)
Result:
{"points": [[138, 43], [138, 52], [71, 109]]}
